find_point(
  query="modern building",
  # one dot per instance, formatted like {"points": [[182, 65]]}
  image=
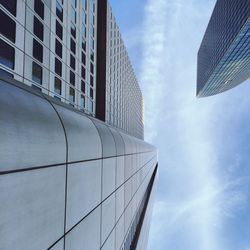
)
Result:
{"points": [[72, 50], [224, 54], [75, 172]]}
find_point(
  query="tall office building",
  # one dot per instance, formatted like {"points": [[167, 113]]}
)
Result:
{"points": [[75, 172], [224, 54], [72, 50]]}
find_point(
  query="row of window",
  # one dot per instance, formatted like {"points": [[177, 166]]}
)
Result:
{"points": [[7, 52]]}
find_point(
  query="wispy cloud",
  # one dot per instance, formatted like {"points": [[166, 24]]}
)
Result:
{"points": [[195, 192]]}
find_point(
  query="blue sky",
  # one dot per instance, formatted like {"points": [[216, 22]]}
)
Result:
{"points": [[203, 193]]}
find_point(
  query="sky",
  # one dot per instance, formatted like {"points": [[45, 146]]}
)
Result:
{"points": [[202, 199]]}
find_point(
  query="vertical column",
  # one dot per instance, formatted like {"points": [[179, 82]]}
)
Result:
{"points": [[101, 59]]}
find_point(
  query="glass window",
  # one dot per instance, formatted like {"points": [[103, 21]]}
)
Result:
{"points": [[58, 67], [83, 58], [72, 45], [71, 95], [72, 78], [39, 8], [91, 80], [58, 86], [72, 62], [84, 45], [7, 55], [38, 28], [10, 5], [6, 74], [37, 50], [9, 27], [37, 73], [91, 92], [59, 30], [83, 86], [83, 72], [82, 103], [73, 30], [92, 68], [92, 55], [59, 11], [58, 48]]}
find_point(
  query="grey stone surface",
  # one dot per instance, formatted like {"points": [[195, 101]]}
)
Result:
{"points": [[32, 209], [83, 139], [30, 130], [110, 242], [84, 190], [120, 146], [87, 234], [108, 177], [108, 143], [108, 217]]}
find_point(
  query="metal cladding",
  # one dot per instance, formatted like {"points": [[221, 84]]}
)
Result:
{"points": [[66, 179], [224, 54]]}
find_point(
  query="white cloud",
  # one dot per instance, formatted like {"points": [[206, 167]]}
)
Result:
{"points": [[194, 196]]}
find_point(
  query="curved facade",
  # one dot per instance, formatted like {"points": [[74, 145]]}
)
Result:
{"points": [[68, 181], [224, 54]]}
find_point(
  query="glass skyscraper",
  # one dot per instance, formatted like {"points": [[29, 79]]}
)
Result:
{"points": [[75, 172], [224, 54]]}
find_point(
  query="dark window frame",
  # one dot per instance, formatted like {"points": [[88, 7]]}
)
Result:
{"points": [[35, 75], [39, 8], [38, 28], [7, 55], [9, 28]]}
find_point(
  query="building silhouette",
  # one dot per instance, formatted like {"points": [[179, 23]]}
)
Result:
{"points": [[224, 54], [75, 172]]}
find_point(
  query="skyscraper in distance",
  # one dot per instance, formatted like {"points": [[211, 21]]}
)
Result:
{"points": [[224, 54], [75, 172]]}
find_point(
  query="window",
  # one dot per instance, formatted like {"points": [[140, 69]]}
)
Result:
{"points": [[83, 86], [73, 30], [37, 50], [37, 73], [59, 11], [82, 102], [91, 92], [71, 95], [84, 45], [39, 8], [58, 67], [72, 78], [10, 5], [72, 62], [7, 27], [83, 58], [83, 72], [92, 68], [5, 74], [7, 55], [91, 80], [38, 28], [92, 55], [58, 48], [58, 86], [59, 30], [72, 45]]}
